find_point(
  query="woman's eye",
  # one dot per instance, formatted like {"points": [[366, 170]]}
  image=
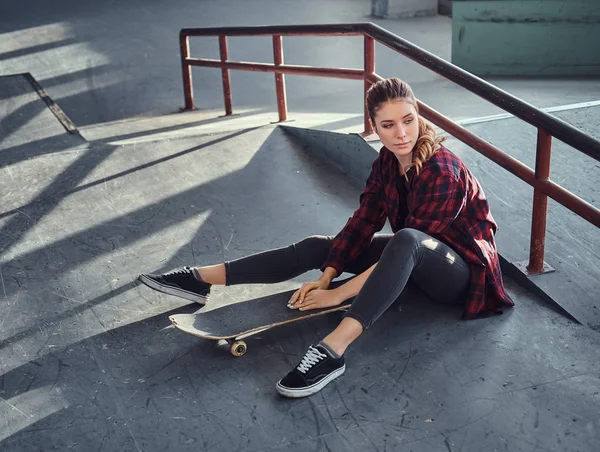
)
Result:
{"points": [[408, 121], [387, 126]]}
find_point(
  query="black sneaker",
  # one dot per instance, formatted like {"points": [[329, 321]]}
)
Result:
{"points": [[181, 283], [312, 374]]}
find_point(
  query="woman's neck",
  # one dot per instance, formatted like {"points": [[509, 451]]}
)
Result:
{"points": [[404, 162]]}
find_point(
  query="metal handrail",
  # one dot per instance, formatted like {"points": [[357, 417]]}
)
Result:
{"points": [[548, 126]]}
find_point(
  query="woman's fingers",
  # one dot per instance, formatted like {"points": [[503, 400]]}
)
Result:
{"points": [[310, 302], [301, 294], [304, 306], [305, 289], [294, 297], [310, 296], [308, 305], [298, 296]]}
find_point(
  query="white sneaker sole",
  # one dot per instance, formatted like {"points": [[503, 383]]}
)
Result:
{"points": [[309, 390], [191, 296]]}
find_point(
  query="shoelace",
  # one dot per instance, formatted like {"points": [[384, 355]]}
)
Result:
{"points": [[181, 271], [312, 357]]}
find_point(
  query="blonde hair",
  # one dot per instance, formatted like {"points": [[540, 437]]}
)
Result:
{"points": [[393, 88]]}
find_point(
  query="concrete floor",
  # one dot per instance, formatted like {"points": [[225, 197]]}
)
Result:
{"points": [[87, 357], [88, 360]]}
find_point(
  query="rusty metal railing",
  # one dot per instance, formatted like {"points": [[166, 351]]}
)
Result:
{"points": [[548, 126]]}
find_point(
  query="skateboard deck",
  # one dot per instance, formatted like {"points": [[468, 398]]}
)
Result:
{"points": [[235, 322]]}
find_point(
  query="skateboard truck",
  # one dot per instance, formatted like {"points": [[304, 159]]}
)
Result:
{"points": [[238, 346]]}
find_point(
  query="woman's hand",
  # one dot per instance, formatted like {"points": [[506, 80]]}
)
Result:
{"points": [[307, 287], [321, 284], [318, 299]]}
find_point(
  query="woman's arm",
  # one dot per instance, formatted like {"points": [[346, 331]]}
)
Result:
{"points": [[328, 275], [352, 287], [321, 284]]}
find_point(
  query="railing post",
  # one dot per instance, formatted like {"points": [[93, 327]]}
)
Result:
{"points": [[225, 75], [279, 78], [369, 69], [186, 72], [540, 204]]}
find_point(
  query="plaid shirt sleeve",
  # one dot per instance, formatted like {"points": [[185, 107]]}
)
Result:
{"points": [[358, 232], [438, 199]]}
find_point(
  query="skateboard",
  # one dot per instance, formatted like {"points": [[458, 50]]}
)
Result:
{"points": [[238, 321]]}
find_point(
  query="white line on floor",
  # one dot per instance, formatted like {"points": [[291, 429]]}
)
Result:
{"points": [[481, 119]]}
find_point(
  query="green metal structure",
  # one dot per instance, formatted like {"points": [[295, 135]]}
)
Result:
{"points": [[527, 37]]}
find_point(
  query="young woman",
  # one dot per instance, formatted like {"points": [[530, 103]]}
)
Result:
{"points": [[443, 239]]}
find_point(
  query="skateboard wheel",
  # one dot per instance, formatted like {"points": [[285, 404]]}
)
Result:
{"points": [[238, 348]]}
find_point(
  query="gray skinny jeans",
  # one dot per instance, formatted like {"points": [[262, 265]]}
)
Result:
{"points": [[434, 267]]}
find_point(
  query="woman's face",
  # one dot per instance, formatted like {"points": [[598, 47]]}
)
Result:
{"points": [[396, 123]]}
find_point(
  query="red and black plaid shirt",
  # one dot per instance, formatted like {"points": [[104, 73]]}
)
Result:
{"points": [[444, 201]]}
